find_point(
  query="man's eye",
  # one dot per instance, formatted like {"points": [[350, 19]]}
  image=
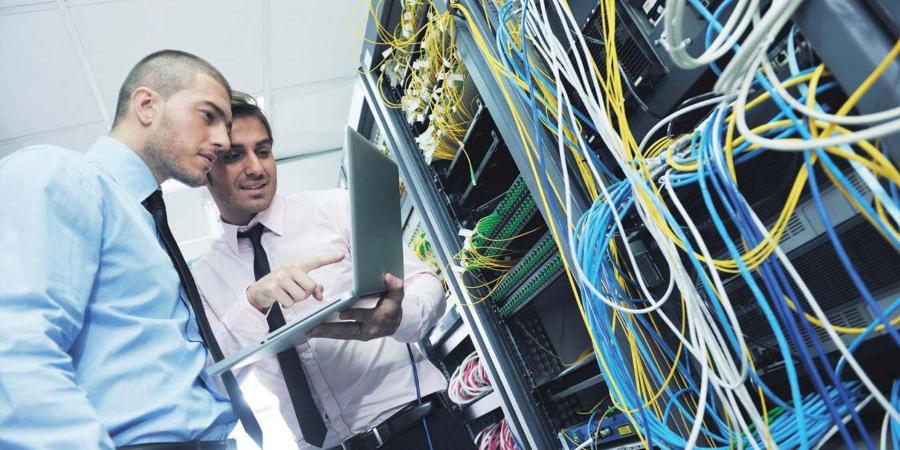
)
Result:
{"points": [[263, 153], [208, 116], [230, 157]]}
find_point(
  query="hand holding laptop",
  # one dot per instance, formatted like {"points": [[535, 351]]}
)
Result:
{"points": [[289, 284], [377, 249], [368, 323]]}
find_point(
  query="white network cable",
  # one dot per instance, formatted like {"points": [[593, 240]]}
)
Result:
{"points": [[469, 381], [755, 46], [592, 105], [820, 115], [675, 42], [740, 112], [704, 341]]}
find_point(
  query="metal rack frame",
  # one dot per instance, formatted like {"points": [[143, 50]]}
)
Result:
{"points": [[850, 54]]}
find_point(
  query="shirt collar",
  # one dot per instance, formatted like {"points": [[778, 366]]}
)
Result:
{"points": [[124, 166], [272, 218]]}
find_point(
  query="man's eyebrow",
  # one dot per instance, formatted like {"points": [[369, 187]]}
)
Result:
{"points": [[264, 142], [219, 111], [237, 147]]}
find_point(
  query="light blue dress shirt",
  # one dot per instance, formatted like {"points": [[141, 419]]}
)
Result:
{"points": [[98, 347]]}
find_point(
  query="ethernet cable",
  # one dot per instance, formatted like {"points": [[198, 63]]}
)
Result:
{"points": [[496, 437], [675, 43], [755, 45], [469, 381], [589, 159], [764, 269], [818, 114], [806, 144]]}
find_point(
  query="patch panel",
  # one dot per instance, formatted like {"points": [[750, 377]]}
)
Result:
{"points": [[547, 273], [525, 266]]}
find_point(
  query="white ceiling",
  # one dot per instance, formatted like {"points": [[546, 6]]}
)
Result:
{"points": [[62, 62]]}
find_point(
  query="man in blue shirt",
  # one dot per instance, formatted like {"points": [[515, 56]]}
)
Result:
{"points": [[99, 344]]}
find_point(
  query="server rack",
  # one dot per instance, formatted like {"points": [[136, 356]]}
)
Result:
{"points": [[526, 396]]}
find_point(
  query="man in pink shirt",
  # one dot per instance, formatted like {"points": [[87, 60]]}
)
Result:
{"points": [[355, 384]]}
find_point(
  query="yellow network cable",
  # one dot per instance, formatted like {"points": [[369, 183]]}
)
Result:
{"points": [[752, 258], [840, 329], [547, 101], [499, 74], [614, 96], [843, 110], [623, 127]]}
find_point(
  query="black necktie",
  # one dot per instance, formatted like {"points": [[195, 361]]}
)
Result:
{"points": [[157, 207], [311, 423]]}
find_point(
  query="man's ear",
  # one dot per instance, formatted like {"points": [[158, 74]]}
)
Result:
{"points": [[146, 104]]}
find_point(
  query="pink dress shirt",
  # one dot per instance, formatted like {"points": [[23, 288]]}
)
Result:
{"points": [[356, 385]]}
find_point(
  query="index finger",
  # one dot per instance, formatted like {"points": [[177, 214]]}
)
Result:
{"points": [[319, 261]]}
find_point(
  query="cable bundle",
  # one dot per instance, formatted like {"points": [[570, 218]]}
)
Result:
{"points": [[421, 247], [496, 437], [702, 390], [493, 232], [422, 61], [401, 42], [469, 381], [437, 90], [486, 253]]}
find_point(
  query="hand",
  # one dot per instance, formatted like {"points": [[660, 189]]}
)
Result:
{"points": [[289, 284], [380, 321]]}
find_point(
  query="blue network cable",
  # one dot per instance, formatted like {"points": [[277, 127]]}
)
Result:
{"points": [[808, 417], [817, 197], [769, 271], [895, 427], [744, 221]]}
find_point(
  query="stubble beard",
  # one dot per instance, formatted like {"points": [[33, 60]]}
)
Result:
{"points": [[164, 155]]}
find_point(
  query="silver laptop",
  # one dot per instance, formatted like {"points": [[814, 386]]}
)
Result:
{"points": [[376, 248]]}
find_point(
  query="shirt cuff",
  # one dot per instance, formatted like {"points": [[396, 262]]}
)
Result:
{"points": [[245, 322], [423, 304]]}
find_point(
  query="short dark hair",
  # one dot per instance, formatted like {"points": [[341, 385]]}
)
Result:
{"points": [[244, 105], [166, 72]]}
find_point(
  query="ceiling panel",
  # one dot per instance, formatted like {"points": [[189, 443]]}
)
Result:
{"points": [[14, 3], [313, 40], [227, 33], [317, 172], [310, 119], [78, 138], [42, 83]]}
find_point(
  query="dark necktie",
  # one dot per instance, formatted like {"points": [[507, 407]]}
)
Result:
{"points": [[157, 207], [311, 423]]}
